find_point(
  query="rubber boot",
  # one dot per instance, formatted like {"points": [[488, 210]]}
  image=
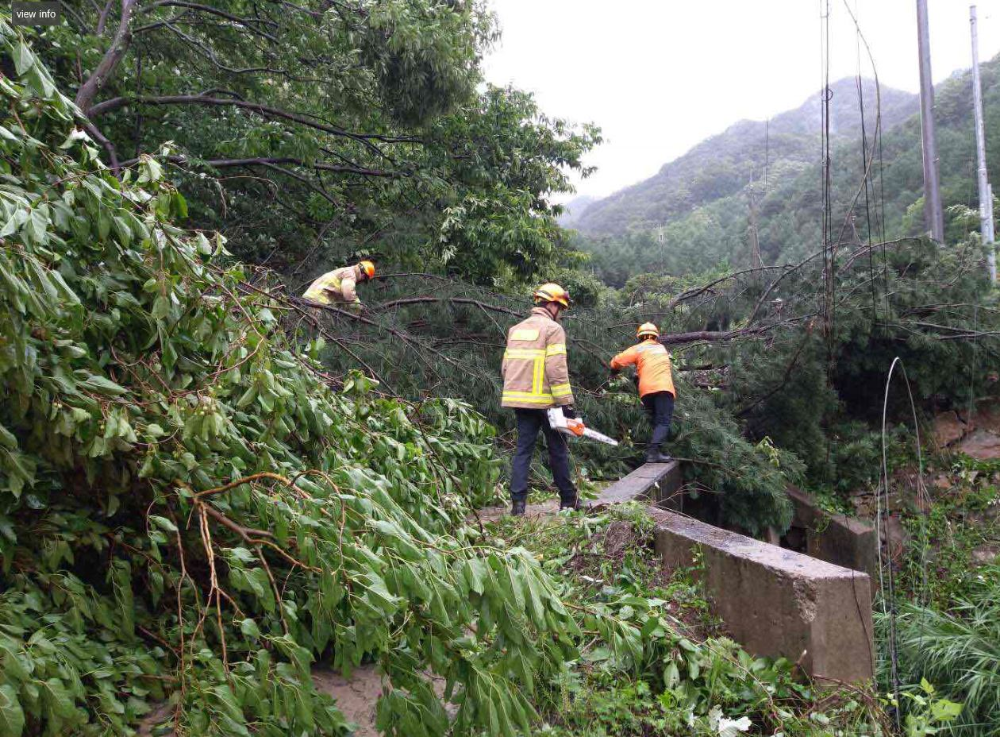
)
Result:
{"points": [[655, 455], [573, 504], [517, 508]]}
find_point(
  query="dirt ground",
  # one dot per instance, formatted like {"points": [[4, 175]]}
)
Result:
{"points": [[355, 697]]}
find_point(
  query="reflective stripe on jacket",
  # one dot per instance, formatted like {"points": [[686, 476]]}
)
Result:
{"points": [[535, 374], [335, 286], [652, 363]]}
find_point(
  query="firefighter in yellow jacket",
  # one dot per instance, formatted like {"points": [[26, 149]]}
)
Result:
{"points": [[337, 287], [535, 378]]}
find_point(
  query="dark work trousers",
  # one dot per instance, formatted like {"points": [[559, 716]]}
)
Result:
{"points": [[660, 408], [529, 422]]}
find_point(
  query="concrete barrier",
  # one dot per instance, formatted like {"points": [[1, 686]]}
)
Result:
{"points": [[659, 483], [835, 538], [776, 602]]}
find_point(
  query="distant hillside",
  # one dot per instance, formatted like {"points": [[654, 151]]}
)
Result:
{"points": [[573, 209], [789, 216], [723, 165]]}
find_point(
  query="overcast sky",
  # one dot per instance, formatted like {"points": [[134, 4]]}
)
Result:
{"points": [[659, 76]]}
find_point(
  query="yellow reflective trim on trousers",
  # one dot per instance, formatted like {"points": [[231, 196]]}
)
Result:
{"points": [[561, 390], [556, 349]]}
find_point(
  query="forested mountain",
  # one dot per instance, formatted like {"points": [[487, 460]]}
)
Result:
{"points": [[724, 164], [789, 215], [573, 209]]}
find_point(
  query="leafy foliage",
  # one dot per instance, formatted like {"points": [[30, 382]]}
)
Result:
{"points": [[188, 507], [312, 133], [690, 679]]}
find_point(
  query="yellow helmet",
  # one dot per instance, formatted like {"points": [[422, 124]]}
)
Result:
{"points": [[367, 268], [647, 330], [552, 293]]}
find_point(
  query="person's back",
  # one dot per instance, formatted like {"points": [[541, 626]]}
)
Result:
{"points": [[652, 364], [329, 287], [536, 378], [656, 385], [534, 365], [339, 286]]}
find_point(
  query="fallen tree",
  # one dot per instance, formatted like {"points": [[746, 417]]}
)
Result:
{"points": [[196, 510]]}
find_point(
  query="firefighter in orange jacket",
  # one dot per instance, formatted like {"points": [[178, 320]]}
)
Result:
{"points": [[535, 378], [656, 385]]}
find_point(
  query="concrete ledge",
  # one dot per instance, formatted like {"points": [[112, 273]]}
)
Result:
{"points": [[835, 538], [776, 602], [659, 483]]}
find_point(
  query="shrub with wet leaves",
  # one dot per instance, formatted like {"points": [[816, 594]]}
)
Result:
{"points": [[191, 511]]}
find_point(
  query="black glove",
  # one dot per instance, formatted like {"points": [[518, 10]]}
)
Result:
{"points": [[613, 372], [569, 412]]}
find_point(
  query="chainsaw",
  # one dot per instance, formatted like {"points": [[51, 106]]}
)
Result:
{"points": [[575, 428]]}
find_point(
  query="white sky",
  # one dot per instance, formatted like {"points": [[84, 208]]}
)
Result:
{"points": [[659, 76]]}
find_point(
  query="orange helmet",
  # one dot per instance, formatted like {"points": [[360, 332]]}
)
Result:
{"points": [[552, 293], [647, 330], [367, 268]]}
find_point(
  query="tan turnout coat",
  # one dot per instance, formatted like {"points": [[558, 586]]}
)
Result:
{"points": [[335, 286], [535, 374]]}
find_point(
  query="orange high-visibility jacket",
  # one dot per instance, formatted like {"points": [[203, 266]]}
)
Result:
{"points": [[335, 286], [652, 363], [535, 374]]}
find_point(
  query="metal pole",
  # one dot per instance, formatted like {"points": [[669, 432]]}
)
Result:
{"points": [[933, 213], [985, 191]]}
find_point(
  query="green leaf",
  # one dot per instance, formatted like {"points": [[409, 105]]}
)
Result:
{"points": [[59, 699], [7, 439], [24, 59], [163, 523], [249, 628], [943, 710], [104, 386], [11, 715]]}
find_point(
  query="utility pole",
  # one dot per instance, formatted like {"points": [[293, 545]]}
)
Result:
{"points": [[985, 190], [756, 261], [767, 152], [933, 214]]}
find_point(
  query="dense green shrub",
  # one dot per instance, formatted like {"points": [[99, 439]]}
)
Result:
{"points": [[190, 508]]}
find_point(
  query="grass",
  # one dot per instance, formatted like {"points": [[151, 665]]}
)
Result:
{"points": [[949, 612], [689, 679]]}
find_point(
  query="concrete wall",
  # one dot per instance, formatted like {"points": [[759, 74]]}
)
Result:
{"points": [[776, 602], [659, 483], [835, 538]]}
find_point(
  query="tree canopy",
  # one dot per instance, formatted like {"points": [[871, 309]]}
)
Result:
{"points": [[311, 133]]}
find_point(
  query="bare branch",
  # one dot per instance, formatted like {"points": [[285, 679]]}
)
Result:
{"points": [[275, 161], [96, 134], [102, 20], [266, 110], [112, 58], [454, 300], [712, 336], [248, 23]]}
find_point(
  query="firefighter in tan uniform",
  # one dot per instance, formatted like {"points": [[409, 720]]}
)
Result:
{"points": [[337, 287], [536, 377]]}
